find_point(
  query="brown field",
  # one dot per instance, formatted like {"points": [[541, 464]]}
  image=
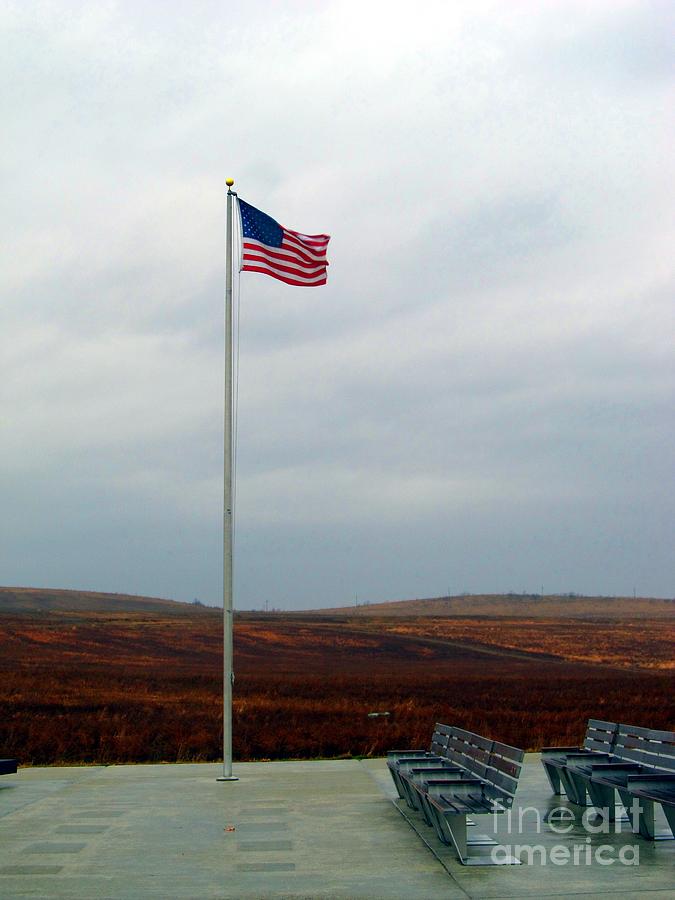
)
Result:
{"points": [[627, 644], [112, 681]]}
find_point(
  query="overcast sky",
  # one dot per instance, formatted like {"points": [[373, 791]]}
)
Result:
{"points": [[481, 398]]}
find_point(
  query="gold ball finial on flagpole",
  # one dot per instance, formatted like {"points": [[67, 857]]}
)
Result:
{"points": [[229, 182]]}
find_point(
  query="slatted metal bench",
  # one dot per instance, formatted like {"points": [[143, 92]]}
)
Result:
{"points": [[638, 752], [8, 766], [600, 739], [473, 776]]}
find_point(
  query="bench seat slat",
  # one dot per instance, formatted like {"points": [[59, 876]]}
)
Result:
{"points": [[505, 782], [473, 739], [662, 751], [512, 753], [443, 729], [593, 744], [599, 731], [505, 766], [460, 805], [636, 730]]}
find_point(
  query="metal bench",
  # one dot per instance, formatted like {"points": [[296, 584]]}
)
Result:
{"points": [[638, 752], [600, 739], [8, 766], [473, 776]]}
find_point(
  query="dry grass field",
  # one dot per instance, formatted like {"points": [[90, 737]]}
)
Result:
{"points": [[626, 643], [110, 679]]}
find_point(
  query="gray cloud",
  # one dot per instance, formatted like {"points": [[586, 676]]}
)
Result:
{"points": [[480, 399]]}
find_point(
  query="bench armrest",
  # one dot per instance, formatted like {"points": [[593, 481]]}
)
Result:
{"points": [[576, 749], [439, 780], [463, 782], [655, 778], [403, 753], [417, 776], [417, 761], [585, 757], [615, 766], [433, 770]]}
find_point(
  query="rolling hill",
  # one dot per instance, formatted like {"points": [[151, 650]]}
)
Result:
{"points": [[529, 606], [40, 601], [25, 601]]}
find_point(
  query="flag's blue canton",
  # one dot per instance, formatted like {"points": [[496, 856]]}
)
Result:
{"points": [[259, 226]]}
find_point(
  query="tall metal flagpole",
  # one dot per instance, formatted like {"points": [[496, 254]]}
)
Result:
{"points": [[228, 673]]}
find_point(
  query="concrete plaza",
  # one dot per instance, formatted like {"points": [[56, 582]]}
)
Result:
{"points": [[286, 829]]}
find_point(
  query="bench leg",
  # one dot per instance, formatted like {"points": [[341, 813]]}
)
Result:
{"points": [[412, 796], [669, 812], [427, 810], [408, 794], [397, 782], [440, 825], [553, 775], [451, 830], [628, 801], [457, 828], [575, 787], [645, 818], [602, 797], [454, 834]]}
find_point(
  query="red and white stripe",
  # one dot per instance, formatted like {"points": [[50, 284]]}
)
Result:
{"points": [[301, 259]]}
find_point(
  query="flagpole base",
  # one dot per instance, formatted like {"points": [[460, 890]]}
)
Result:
{"points": [[227, 778]]}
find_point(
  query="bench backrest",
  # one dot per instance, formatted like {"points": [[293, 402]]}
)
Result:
{"points": [[504, 772], [646, 746], [439, 739], [496, 764], [468, 750], [601, 736]]}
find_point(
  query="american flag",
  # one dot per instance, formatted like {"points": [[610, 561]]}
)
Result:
{"points": [[290, 256]]}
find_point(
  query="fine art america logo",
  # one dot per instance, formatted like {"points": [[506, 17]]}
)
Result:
{"points": [[562, 821]]}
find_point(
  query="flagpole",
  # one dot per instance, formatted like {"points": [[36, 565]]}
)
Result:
{"points": [[228, 673]]}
